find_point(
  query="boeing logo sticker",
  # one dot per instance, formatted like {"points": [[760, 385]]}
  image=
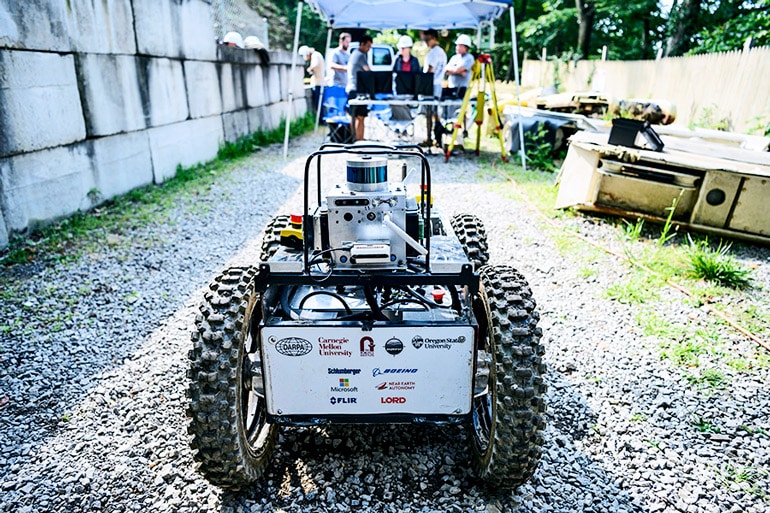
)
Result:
{"points": [[377, 371]]}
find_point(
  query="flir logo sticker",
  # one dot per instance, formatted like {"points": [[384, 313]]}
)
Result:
{"points": [[292, 346], [343, 400]]}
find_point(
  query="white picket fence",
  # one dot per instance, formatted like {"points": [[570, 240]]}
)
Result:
{"points": [[730, 85]]}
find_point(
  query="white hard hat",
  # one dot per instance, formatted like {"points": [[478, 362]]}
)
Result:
{"points": [[405, 42], [234, 38], [463, 39], [304, 50], [253, 43]]}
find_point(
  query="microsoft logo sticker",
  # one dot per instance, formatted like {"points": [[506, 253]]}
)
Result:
{"points": [[344, 382]]}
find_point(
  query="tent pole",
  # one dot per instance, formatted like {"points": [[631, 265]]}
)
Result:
{"points": [[323, 82], [514, 47], [291, 80]]}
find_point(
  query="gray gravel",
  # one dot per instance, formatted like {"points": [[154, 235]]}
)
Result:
{"points": [[93, 372]]}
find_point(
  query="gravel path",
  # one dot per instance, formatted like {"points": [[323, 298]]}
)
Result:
{"points": [[92, 379]]}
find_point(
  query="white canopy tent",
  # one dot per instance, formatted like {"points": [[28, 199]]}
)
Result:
{"points": [[406, 14]]}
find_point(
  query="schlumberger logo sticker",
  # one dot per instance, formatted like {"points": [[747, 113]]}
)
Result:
{"points": [[293, 346]]}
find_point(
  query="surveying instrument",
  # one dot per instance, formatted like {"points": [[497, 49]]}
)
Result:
{"points": [[482, 74]]}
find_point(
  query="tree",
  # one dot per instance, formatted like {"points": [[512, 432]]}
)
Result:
{"points": [[684, 24], [586, 11]]}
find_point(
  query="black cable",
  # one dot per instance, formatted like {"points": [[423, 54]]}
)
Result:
{"points": [[372, 302], [424, 299], [327, 293], [404, 301]]}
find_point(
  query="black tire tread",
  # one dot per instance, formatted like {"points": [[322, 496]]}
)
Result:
{"points": [[516, 443], [472, 234], [271, 238], [220, 449]]}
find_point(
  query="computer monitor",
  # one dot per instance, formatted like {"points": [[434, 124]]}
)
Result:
{"points": [[373, 82], [414, 84], [423, 84]]}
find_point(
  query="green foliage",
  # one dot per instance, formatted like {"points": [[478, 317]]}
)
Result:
{"points": [[704, 425], [709, 117], [539, 151], [632, 232], [731, 30], [254, 141], [716, 265], [712, 378]]}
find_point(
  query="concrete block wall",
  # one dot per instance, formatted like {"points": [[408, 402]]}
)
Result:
{"points": [[112, 95]]}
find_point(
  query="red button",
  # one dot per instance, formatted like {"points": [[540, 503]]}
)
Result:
{"points": [[296, 219], [438, 295]]}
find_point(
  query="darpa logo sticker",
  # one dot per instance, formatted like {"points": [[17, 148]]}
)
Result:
{"points": [[292, 346]]}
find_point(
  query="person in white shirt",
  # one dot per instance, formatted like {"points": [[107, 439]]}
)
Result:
{"points": [[435, 62], [458, 69], [316, 69]]}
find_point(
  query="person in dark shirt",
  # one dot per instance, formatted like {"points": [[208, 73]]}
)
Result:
{"points": [[358, 62], [406, 61]]}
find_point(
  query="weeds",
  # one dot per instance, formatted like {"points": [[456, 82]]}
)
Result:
{"points": [[665, 233], [703, 425], [632, 232], [539, 151], [716, 265], [743, 478], [712, 378]]}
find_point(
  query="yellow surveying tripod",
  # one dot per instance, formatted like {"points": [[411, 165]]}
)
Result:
{"points": [[482, 74]]}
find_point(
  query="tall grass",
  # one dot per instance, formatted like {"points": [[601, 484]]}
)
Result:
{"points": [[716, 265]]}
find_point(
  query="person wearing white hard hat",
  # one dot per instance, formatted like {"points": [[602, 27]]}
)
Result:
{"points": [[405, 61], [458, 69], [233, 39], [253, 43], [316, 70]]}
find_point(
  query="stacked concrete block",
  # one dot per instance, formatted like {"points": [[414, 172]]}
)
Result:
{"points": [[254, 86], [112, 101], [39, 101], [34, 25], [231, 87], [121, 163], [3, 231], [186, 143], [100, 97], [163, 91], [202, 84], [174, 29], [236, 124], [45, 185], [106, 26]]}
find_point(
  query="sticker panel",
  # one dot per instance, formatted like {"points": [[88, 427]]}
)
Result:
{"points": [[331, 371]]}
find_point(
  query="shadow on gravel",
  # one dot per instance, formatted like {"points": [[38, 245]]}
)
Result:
{"points": [[64, 327], [426, 468]]}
